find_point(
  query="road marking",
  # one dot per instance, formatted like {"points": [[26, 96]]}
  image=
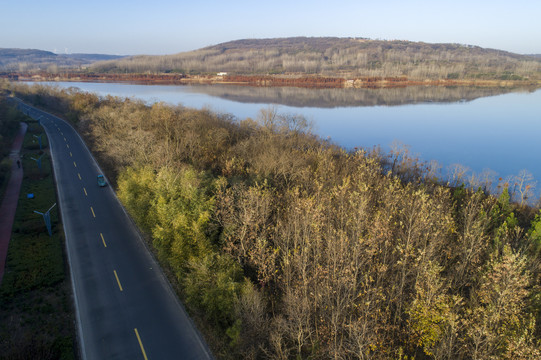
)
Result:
{"points": [[79, 175], [61, 133], [93, 214], [140, 344], [103, 240], [85, 191], [74, 164], [71, 155], [68, 146], [118, 281]]}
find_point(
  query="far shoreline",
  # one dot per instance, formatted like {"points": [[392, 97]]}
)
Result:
{"points": [[289, 80]]}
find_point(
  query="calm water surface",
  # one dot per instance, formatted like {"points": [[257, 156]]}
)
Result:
{"points": [[500, 132]]}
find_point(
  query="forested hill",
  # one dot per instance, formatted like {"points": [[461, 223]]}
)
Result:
{"points": [[32, 59], [343, 57]]}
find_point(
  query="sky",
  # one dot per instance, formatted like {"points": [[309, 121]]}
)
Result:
{"points": [[158, 27]]}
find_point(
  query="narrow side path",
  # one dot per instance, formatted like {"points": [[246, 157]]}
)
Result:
{"points": [[11, 197]]}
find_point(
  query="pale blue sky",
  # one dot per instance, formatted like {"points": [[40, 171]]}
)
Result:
{"points": [[168, 27]]}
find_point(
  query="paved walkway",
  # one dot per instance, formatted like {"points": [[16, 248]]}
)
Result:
{"points": [[11, 197]]}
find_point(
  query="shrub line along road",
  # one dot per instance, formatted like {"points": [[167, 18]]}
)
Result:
{"points": [[125, 307]]}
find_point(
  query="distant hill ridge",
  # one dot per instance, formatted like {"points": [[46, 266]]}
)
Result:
{"points": [[339, 57], [322, 44], [346, 58], [33, 59]]}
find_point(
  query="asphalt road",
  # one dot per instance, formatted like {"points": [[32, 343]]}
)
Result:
{"points": [[125, 306]]}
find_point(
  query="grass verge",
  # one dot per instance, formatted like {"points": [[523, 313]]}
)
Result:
{"points": [[36, 313]]}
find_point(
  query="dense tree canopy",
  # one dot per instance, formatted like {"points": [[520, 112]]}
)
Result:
{"points": [[295, 248]]}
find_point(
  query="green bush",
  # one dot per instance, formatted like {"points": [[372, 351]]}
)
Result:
{"points": [[510, 76], [213, 284]]}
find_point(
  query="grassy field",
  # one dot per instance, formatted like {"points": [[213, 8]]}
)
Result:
{"points": [[36, 314]]}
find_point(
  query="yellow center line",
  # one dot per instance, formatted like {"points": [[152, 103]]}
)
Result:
{"points": [[85, 191], [71, 154], [140, 344], [93, 214], [103, 240], [79, 175], [68, 146], [74, 164], [117, 280]]}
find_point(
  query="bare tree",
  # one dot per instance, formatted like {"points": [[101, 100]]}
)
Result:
{"points": [[523, 186]]}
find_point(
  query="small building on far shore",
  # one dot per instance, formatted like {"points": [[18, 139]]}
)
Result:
{"points": [[221, 74]]}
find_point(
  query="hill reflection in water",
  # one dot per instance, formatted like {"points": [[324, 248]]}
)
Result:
{"points": [[333, 98], [498, 131]]}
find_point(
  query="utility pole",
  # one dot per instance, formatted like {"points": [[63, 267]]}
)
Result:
{"points": [[47, 219]]}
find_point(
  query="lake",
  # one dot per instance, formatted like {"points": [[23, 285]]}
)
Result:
{"points": [[483, 129]]}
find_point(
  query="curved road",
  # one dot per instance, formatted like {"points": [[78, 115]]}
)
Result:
{"points": [[125, 306]]}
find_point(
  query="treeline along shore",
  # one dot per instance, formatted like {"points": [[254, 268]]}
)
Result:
{"points": [[284, 246], [293, 80]]}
